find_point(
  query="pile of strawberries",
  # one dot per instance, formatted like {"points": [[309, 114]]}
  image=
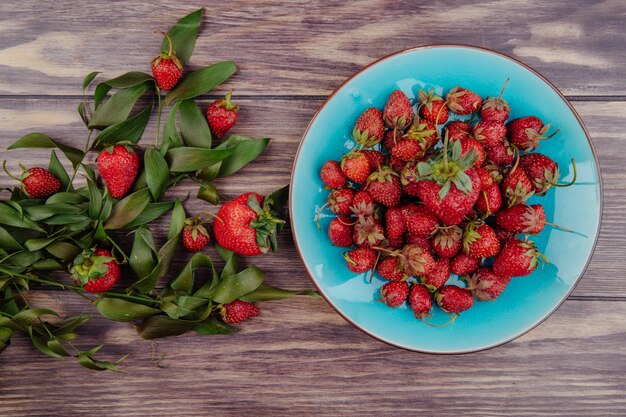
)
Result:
{"points": [[422, 196]]}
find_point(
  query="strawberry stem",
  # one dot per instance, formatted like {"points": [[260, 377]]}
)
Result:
{"points": [[317, 216], [573, 179], [71, 181], [445, 151], [4, 167], [556, 226], [504, 87]]}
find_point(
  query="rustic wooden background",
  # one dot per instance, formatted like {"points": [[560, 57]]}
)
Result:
{"points": [[299, 357]]}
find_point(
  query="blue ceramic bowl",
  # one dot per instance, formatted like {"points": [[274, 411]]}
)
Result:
{"points": [[528, 300]]}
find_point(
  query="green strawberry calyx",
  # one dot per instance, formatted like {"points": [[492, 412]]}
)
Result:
{"points": [[227, 103], [267, 224], [89, 267], [170, 55], [196, 226]]}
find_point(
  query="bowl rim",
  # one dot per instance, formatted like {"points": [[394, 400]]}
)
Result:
{"points": [[501, 55]]}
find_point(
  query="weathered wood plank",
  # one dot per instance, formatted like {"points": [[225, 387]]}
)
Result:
{"points": [[272, 170], [289, 363], [288, 47]]}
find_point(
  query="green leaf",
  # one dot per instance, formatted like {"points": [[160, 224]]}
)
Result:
{"points": [[130, 79], [71, 324], [40, 243], [183, 36], [39, 140], [7, 241], [246, 150], [129, 130], [213, 326], [177, 222], [277, 200], [143, 257], [82, 112], [48, 265], [117, 108], [67, 219], [46, 211], [186, 159], [88, 79], [201, 81], [56, 168], [11, 217], [208, 192], [63, 250], [96, 365], [235, 286], [26, 317], [266, 292], [66, 198], [161, 326], [23, 259], [193, 125], [152, 212], [41, 346], [171, 138], [157, 173], [127, 209], [184, 281], [122, 310], [95, 199], [231, 261], [56, 347], [107, 207]]}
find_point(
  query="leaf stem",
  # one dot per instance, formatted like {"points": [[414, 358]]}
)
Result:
{"points": [[69, 184], [445, 151]]}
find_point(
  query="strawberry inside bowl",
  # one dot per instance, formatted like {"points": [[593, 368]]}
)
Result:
{"points": [[526, 300]]}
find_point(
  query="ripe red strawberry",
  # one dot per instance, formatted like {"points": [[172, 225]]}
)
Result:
{"points": [[369, 128], [375, 158], [118, 166], [394, 293], [526, 132], [496, 109], [489, 134], [363, 205], [389, 269], [516, 187], [39, 183], [485, 285], [398, 112], [360, 260], [340, 231], [486, 180], [331, 174], [422, 242], [390, 139], [96, 270], [490, 200], [408, 179], [420, 300], [436, 278], [494, 171], [458, 130], [340, 200], [463, 101], [501, 154], [543, 172], [423, 131], [522, 219], [504, 235], [414, 260], [480, 242], [479, 151], [395, 225], [408, 150], [433, 107], [355, 166], [222, 115], [420, 221], [517, 258], [247, 225], [447, 241], [453, 299], [167, 68], [238, 311], [368, 232], [396, 164], [194, 235], [384, 187], [463, 264]]}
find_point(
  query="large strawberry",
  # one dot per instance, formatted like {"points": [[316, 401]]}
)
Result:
{"points": [[480, 241], [118, 165], [448, 185], [222, 115], [433, 107], [398, 112], [486, 285], [384, 187], [526, 132], [167, 68], [517, 258], [238, 311], [543, 172], [248, 224], [369, 128], [96, 270], [463, 101]]}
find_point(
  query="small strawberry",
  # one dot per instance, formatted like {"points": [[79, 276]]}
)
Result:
{"points": [[501, 154], [408, 150], [390, 139], [421, 301], [414, 260], [118, 166], [340, 231], [396, 164], [368, 232], [486, 180], [395, 243], [38, 183], [504, 235], [355, 166], [420, 221], [495, 172], [238, 311], [389, 269], [517, 258], [436, 278], [395, 225], [360, 260], [340, 200], [222, 115], [526, 132], [447, 241], [375, 158], [516, 187], [453, 299], [408, 179], [194, 235], [96, 270], [369, 128], [422, 242], [543, 172], [496, 109], [398, 112], [463, 101], [489, 134], [247, 225], [479, 151], [167, 68], [363, 205], [522, 219], [463, 264], [490, 200], [331, 174], [458, 130], [480, 241], [394, 293], [384, 187], [423, 131], [485, 285], [432, 107]]}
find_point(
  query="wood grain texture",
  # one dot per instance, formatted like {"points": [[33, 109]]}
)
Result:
{"points": [[292, 47]]}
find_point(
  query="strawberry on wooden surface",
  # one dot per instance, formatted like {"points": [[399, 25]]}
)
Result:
{"points": [[118, 165]]}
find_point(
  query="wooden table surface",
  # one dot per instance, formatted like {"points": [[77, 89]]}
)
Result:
{"points": [[299, 357]]}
